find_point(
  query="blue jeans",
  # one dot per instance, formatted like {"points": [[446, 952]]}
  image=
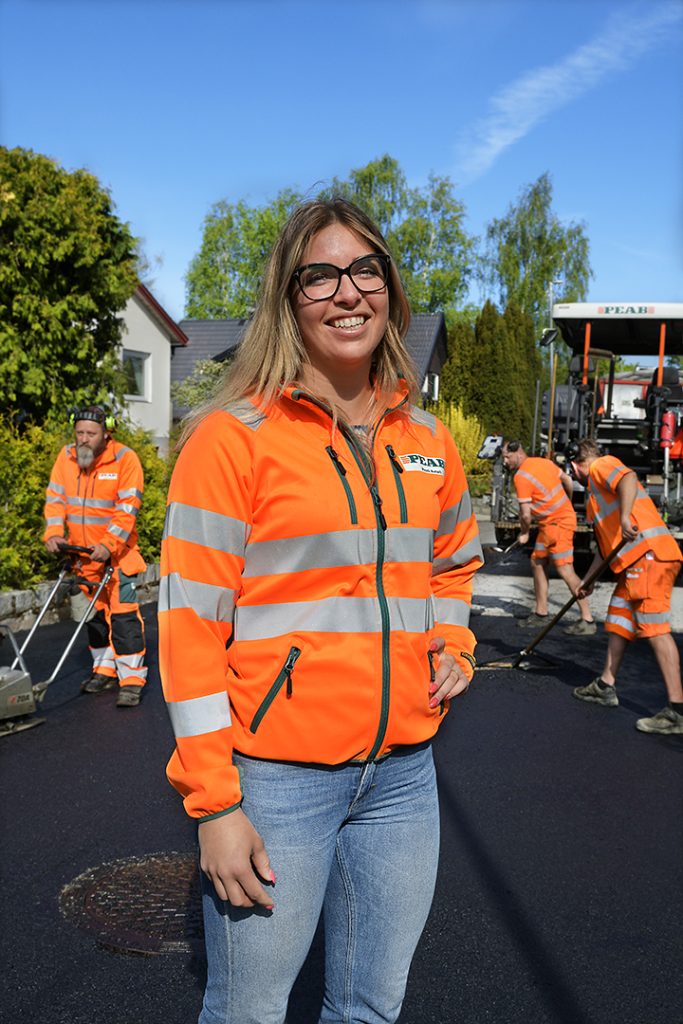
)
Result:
{"points": [[359, 843]]}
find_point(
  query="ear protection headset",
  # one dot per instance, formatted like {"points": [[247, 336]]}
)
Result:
{"points": [[94, 413]]}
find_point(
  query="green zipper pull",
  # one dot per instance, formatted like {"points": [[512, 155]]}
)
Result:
{"points": [[335, 458], [378, 505], [289, 668], [394, 458]]}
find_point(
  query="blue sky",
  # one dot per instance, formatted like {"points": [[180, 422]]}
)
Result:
{"points": [[175, 104]]}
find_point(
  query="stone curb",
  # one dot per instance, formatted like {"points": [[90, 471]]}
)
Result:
{"points": [[20, 608]]}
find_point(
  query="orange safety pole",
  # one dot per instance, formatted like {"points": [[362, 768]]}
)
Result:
{"points": [[660, 366], [586, 350]]}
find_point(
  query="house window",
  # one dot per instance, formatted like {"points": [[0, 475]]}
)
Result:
{"points": [[135, 368]]}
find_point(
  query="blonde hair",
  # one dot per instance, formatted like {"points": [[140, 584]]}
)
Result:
{"points": [[272, 355]]}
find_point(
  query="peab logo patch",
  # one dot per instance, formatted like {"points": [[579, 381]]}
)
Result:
{"points": [[422, 464], [107, 476]]}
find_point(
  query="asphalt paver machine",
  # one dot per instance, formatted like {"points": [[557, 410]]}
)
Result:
{"points": [[636, 414], [20, 697]]}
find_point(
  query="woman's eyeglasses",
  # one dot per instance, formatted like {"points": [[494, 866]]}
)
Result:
{"points": [[321, 280]]}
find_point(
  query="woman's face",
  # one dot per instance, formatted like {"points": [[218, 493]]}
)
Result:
{"points": [[340, 333]]}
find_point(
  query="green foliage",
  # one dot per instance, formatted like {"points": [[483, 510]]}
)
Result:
{"points": [[26, 458], [468, 433], [423, 226], [224, 276], [200, 386], [492, 368], [67, 266], [529, 248]]}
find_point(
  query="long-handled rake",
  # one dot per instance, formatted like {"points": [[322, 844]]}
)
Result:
{"points": [[520, 660]]}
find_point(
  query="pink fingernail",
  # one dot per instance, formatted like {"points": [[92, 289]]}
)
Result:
{"points": [[433, 646], [433, 702], [272, 876]]}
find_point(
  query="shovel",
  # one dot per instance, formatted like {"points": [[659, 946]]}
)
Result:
{"points": [[520, 659]]}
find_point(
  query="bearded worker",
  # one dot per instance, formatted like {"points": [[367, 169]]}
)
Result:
{"points": [[92, 500]]}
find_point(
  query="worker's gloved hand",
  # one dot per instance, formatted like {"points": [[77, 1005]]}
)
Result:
{"points": [[100, 554], [53, 544]]}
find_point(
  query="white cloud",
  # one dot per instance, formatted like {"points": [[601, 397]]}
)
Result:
{"points": [[534, 96]]}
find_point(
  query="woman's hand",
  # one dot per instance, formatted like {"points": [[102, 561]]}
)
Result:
{"points": [[449, 679], [233, 856]]}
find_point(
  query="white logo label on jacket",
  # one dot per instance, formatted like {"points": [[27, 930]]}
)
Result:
{"points": [[422, 464], [107, 476]]}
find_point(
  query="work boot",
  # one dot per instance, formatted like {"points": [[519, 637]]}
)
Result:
{"points": [[129, 696], [581, 628], [98, 683], [606, 695], [666, 722], [534, 621]]}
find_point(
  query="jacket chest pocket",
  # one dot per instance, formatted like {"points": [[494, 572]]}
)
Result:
{"points": [[341, 473]]}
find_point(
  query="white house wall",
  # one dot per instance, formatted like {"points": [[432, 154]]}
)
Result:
{"points": [[143, 334]]}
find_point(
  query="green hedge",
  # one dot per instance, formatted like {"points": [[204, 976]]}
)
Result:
{"points": [[26, 458]]}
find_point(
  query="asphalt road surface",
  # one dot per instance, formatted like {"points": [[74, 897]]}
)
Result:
{"points": [[559, 898]]}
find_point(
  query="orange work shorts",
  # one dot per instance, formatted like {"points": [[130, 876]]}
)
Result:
{"points": [[555, 542], [641, 602]]}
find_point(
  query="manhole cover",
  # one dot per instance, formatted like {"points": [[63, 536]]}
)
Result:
{"points": [[148, 905]]}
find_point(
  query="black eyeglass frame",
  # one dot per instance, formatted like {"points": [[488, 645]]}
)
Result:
{"points": [[385, 263]]}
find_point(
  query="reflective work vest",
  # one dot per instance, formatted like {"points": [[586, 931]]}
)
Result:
{"points": [[602, 509], [539, 481], [98, 505], [301, 588]]}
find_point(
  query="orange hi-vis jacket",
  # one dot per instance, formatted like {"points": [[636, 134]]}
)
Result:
{"points": [[98, 505], [602, 509], [300, 590], [539, 482]]}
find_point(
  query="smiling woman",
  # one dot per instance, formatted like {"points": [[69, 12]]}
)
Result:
{"points": [[317, 572]]}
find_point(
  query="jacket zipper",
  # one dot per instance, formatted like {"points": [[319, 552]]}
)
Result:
{"points": [[285, 673], [341, 472], [381, 525], [398, 471]]}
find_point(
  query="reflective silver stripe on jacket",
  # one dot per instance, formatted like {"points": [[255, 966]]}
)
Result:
{"points": [[451, 517], [329, 615], [129, 492], [423, 418], [462, 556], [654, 531], [57, 488], [80, 520], [55, 501], [246, 413], [91, 502], [451, 611], [215, 604], [118, 531], [337, 548], [54, 521], [210, 529], [199, 715]]}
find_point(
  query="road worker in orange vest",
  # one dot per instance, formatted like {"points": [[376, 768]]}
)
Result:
{"points": [[92, 500], [544, 495], [646, 568]]}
